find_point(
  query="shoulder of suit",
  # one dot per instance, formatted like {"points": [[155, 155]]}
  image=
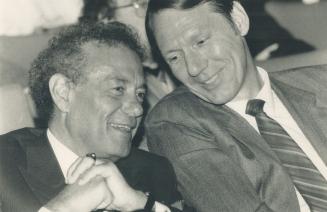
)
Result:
{"points": [[23, 137], [317, 72], [13, 145], [311, 78], [142, 161], [179, 104], [181, 93], [144, 157]]}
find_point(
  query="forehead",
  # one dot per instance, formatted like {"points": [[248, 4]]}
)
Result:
{"points": [[111, 61], [168, 24]]}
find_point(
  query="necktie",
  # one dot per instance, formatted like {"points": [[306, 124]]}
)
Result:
{"points": [[307, 179]]}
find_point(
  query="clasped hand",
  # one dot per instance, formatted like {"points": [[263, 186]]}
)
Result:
{"points": [[96, 186]]}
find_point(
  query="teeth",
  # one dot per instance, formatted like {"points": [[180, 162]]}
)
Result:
{"points": [[212, 79], [120, 126]]}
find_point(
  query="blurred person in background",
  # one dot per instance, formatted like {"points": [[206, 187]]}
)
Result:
{"points": [[266, 37]]}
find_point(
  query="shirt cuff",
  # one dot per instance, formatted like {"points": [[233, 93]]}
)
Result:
{"points": [[159, 207]]}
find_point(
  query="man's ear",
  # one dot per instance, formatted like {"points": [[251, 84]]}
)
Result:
{"points": [[60, 88], [240, 18]]}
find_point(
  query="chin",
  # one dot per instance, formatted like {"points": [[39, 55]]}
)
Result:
{"points": [[119, 156], [209, 99], [217, 100], [124, 152], [115, 156]]}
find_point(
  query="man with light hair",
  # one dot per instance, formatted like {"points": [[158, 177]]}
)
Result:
{"points": [[239, 138]]}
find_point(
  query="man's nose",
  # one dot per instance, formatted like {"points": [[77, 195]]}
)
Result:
{"points": [[195, 63], [133, 108]]}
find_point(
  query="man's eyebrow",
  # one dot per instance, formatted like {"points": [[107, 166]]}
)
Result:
{"points": [[115, 77], [171, 51], [198, 33]]}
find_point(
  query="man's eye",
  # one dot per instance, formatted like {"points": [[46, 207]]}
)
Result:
{"points": [[141, 96], [201, 42], [118, 90], [172, 59]]}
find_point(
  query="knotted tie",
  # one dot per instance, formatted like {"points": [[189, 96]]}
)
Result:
{"points": [[307, 179]]}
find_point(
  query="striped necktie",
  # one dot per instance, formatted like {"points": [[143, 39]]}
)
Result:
{"points": [[306, 178]]}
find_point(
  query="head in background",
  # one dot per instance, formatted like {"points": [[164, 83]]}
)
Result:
{"points": [[130, 12]]}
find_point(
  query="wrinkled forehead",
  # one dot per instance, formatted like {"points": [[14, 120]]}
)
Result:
{"points": [[116, 60], [202, 7], [171, 24], [171, 18]]}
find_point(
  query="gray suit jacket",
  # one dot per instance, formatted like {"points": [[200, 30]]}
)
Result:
{"points": [[221, 162]]}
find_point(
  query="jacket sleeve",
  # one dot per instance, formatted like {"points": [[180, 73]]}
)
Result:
{"points": [[165, 188], [208, 179]]}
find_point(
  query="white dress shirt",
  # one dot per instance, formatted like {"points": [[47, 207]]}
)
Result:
{"points": [[275, 109], [66, 158], [64, 155]]}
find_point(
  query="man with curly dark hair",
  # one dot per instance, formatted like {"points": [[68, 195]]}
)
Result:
{"points": [[65, 56], [89, 87]]}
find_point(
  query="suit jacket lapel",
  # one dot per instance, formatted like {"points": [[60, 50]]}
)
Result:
{"points": [[244, 133], [42, 172], [306, 110]]}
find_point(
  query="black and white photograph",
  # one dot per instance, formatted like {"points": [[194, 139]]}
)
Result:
{"points": [[163, 105]]}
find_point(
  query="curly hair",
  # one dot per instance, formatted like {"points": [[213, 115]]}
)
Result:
{"points": [[64, 55]]}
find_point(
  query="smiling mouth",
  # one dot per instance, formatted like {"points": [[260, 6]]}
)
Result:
{"points": [[122, 127], [211, 80], [214, 77]]}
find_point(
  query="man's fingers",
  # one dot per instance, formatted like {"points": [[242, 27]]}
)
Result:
{"points": [[71, 169], [106, 202], [79, 168], [102, 161], [103, 170]]}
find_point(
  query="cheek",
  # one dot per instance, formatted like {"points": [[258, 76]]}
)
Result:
{"points": [[110, 105], [91, 113], [83, 102], [180, 73], [214, 52], [225, 48], [232, 85], [109, 109], [80, 111], [220, 47]]}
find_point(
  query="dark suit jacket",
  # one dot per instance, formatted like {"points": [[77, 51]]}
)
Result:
{"points": [[221, 162], [30, 174]]}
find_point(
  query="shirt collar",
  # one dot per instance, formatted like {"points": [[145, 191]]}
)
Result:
{"points": [[265, 94], [64, 155]]}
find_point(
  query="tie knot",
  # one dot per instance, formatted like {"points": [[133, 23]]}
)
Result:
{"points": [[254, 106]]}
